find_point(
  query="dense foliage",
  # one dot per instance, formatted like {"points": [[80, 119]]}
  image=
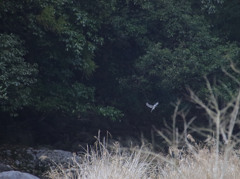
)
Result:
{"points": [[105, 59], [16, 74]]}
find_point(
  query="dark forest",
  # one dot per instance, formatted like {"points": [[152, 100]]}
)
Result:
{"points": [[69, 68]]}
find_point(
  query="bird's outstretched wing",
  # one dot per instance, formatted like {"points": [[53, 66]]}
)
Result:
{"points": [[155, 105], [152, 106], [149, 105]]}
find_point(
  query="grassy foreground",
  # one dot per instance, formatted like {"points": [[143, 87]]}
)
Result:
{"points": [[141, 163]]}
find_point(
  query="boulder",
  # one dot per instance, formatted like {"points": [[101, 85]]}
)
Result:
{"points": [[16, 175], [4, 167], [35, 161]]}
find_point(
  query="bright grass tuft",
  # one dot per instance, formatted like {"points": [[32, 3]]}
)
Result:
{"points": [[141, 163]]}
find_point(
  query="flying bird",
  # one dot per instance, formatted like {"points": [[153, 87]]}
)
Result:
{"points": [[152, 106]]}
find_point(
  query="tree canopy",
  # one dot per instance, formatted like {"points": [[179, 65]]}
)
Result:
{"points": [[106, 59]]}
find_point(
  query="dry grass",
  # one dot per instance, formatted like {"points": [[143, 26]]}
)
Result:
{"points": [[102, 163], [203, 165], [117, 163]]}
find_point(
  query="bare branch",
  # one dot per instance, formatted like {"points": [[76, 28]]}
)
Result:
{"points": [[233, 66], [198, 101], [234, 116], [212, 96], [163, 136], [231, 76]]}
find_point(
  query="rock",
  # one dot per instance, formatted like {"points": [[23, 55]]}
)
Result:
{"points": [[4, 167], [16, 175], [54, 156], [35, 161]]}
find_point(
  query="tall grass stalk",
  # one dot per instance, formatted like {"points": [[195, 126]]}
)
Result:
{"points": [[102, 162], [141, 163]]}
